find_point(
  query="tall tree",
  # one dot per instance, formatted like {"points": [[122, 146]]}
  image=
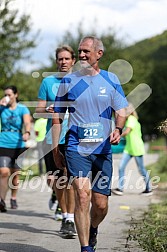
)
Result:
{"points": [[154, 110], [112, 45], [14, 39]]}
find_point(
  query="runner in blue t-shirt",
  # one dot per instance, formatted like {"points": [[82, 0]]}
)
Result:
{"points": [[65, 59], [90, 95], [14, 117]]}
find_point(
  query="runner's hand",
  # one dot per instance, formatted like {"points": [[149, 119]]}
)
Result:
{"points": [[25, 136], [115, 137], [50, 109]]}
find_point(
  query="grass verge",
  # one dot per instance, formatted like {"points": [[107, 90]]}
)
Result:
{"points": [[27, 174], [150, 231]]}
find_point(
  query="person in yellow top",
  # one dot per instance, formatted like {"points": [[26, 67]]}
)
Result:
{"points": [[40, 131], [134, 147]]}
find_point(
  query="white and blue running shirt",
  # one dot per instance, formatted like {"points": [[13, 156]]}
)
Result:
{"points": [[90, 101]]}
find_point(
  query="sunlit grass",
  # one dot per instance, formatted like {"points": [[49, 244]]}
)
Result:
{"points": [[30, 172], [151, 230]]}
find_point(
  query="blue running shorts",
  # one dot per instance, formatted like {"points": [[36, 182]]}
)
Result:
{"points": [[98, 167]]}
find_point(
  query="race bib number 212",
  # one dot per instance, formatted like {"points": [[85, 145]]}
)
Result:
{"points": [[90, 132]]}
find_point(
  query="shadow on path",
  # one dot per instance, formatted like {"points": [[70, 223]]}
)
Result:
{"points": [[22, 247]]}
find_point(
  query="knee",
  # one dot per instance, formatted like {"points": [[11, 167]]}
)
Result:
{"points": [[100, 206], [83, 198], [4, 173]]}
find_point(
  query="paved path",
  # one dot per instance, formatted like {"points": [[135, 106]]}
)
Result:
{"points": [[32, 228]]}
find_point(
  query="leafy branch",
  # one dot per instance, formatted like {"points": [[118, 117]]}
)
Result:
{"points": [[163, 127]]}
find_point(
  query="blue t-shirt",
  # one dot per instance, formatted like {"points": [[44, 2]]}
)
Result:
{"points": [[11, 126], [47, 92], [90, 101]]}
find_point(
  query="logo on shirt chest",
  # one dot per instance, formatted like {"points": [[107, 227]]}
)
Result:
{"points": [[102, 91]]}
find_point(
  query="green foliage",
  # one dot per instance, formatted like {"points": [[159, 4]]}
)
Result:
{"points": [[160, 141], [162, 164], [160, 167], [151, 232], [149, 61], [27, 87], [113, 47], [29, 90], [157, 101], [146, 49], [163, 126], [28, 174], [14, 40]]}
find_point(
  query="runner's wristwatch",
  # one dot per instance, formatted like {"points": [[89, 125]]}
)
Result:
{"points": [[120, 130]]}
